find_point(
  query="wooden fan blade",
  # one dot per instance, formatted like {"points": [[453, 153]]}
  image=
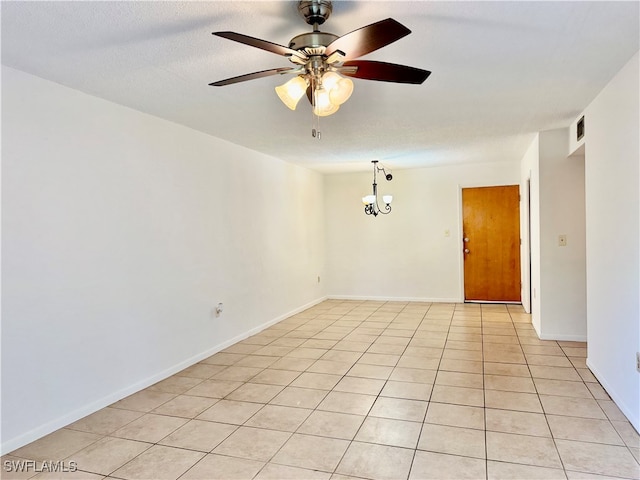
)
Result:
{"points": [[367, 39], [384, 72], [253, 76], [262, 44]]}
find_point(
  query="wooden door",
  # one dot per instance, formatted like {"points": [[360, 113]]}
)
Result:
{"points": [[491, 243]]}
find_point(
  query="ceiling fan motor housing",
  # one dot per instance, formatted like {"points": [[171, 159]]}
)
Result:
{"points": [[315, 12]]}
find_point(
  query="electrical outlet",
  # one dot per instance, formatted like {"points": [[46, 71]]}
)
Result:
{"points": [[318, 278], [638, 361], [219, 309]]}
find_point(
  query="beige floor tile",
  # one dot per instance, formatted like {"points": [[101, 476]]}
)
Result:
{"points": [[386, 431], [241, 348], [380, 359], [453, 354], [230, 411], [511, 471], [509, 384], [299, 397], [274, 350], [408, 390], [423, 352], [341, 356], [201, 370], [377, 462], [185, 406], [367, 386], [575, 351], [57, 445], [571, 406], [611, 410], [528, 450], [473, 397], [438, 466], [496, 356], [252, 443], [428, 363], [452, 440], [399, 409], [466, 366], [584, 429], [66, 475], [277, 417], [214, 388], [293, 364], [555, 373], [176, 384], [543, 350], [344, 402], [257, 361], [282, 472], [199, 435], [312, 452], [586, 375], [159, 462], [523, 402], [387, 348], [255, 392], [271, 376], [523, 423], [379, 372], [150, 428], [219, 467], [509, 369], [598, 459], [415, 375], [321, 381], [459, 379], [144, 400], [224, 358], [108, 454], [351, 346], [237, 374], [548, 360], [105, 421], [628, 434], [332, 424], [455, 415], [330, 366]]}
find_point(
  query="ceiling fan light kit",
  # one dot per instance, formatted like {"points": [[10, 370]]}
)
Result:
{"points": [[322, 60]]}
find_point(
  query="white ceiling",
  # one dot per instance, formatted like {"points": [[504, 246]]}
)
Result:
{"points": [[500, 72]]}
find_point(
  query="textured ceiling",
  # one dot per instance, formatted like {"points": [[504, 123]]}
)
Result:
{"points": [[501, 71]]}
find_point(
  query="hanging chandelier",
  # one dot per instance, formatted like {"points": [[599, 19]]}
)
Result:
{"points": [[371, 205]]}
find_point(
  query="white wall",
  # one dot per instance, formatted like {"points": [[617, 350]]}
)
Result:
{"points": [[404, 255], [563, 303], [613, 228], [530, 231], [121, 232]]}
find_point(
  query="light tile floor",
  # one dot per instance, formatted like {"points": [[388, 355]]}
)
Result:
{"points": [[375, 390]]}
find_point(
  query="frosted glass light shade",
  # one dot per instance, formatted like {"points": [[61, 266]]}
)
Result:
{"points": [[291, 92], [339, 88], [387, 199], [323, 105], [368, 199]]}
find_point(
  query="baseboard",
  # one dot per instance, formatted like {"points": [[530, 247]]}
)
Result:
{"points": [[60, 422], [633, 418], [563, 338], [394, 299]]}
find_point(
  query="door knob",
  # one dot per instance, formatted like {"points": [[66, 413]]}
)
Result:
{"points": [[466, 250]]}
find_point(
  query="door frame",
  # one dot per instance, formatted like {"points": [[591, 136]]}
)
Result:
{"points": [[461, 234]]}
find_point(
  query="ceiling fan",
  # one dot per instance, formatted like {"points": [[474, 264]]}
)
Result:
{"points": [[322, 60]]}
